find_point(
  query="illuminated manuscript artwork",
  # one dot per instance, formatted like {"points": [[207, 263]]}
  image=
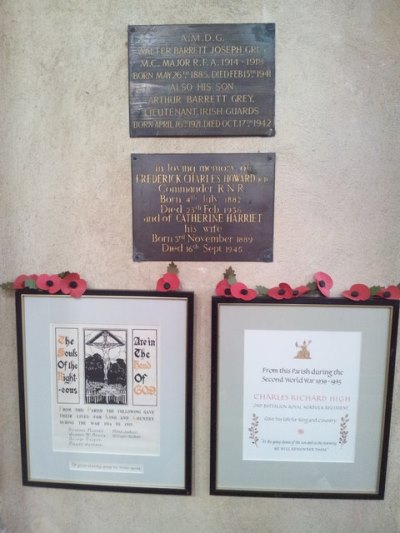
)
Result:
{"points": [[202, 79], [203, 207], [106, 386]]}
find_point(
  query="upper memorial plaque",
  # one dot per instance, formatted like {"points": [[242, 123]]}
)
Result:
{"points": [[202, 80]]}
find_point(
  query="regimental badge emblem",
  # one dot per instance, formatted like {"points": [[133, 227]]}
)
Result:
{"points": [[304, 352]]}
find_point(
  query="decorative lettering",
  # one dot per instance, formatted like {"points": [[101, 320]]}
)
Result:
{"points": [[67, 365], [145, 366]]}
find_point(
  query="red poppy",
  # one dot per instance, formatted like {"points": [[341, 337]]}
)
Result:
{"points": [[73, 284], [299, 291], [324, 283], [241, 291], [357, 292], [19, 282], [169, 282], [51, 284], [283, 292], [223, 288], [390, 293]]}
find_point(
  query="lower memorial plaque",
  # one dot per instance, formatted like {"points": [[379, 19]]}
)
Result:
{"points": [[203, 207]]}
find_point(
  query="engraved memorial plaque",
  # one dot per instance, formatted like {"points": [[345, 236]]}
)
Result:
{"points": [[202, 79], [203, 207]]}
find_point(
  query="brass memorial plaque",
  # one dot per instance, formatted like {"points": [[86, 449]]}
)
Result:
{"points": [[203, 207], [202, 79]]}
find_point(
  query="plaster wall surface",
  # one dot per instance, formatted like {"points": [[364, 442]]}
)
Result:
{"points": [[66, 204]]}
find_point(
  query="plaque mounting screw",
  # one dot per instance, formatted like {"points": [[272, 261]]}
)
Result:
{"points": [[267, 256], [138, 256]]}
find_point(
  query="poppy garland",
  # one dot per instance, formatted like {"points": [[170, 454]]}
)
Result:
{"points": [[322, 284], [69, 283]]}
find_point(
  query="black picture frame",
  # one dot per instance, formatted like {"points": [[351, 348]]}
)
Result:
{"points": [[129, 430], [259, 399]]}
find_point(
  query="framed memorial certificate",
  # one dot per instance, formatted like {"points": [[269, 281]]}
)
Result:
{"points": [[105, 386], [301, 397]]}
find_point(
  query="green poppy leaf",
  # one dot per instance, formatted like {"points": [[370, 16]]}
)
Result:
{"points": [[172, 268], [262, 291], [375, 289], [62, 275], [230, 273], [312, 285], [7, 286]]}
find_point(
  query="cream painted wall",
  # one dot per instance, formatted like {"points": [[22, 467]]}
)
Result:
{"points": [[65, 203]]}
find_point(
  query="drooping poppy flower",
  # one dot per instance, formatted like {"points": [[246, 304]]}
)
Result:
{"points": [[324, 283], [357, 292], [283, 292], [169, 282], [51, 284], [223, 288], [241, 291], [299, 291], [19, 282], [390, 293], [73, 284]]}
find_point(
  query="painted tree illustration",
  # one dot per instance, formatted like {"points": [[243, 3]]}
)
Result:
{"points": [[344, 430], [253, 429], [94, 368], [117, 373]]}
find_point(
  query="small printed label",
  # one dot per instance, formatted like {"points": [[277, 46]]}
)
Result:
{"points": [[119, 468]]}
